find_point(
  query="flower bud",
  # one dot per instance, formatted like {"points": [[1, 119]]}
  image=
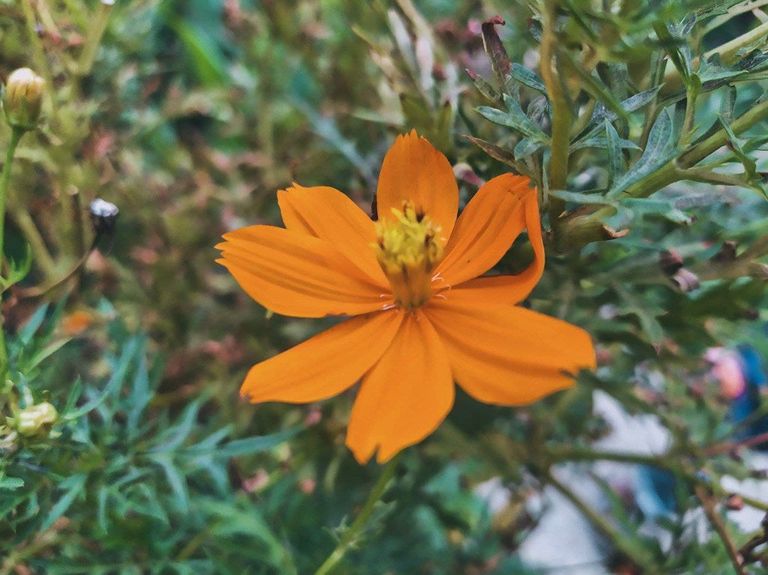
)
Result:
{"points": [[23, 98], [35, 417], [103, 216]]}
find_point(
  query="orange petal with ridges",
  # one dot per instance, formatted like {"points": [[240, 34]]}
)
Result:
{"points": [[414, 170], [405, 396], [330, 215], [508, 355], [324, 365], [295, 274], [488, 226]]}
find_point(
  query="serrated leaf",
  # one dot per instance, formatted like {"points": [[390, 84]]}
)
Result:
{"points": [[659, 150]]}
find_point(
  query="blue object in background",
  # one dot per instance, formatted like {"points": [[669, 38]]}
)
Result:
{"points": [[744, 408]]}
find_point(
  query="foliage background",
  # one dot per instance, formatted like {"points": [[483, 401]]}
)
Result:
{"points": [[190, 114]]}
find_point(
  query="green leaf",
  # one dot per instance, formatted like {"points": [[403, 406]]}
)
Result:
{"points": [[749, 164], [247, 446], [527, 147], [140, 395], [44, 354], [11, 483], [114, 383], [582, 199], [27, 332], [659, 150], [176, 481], [615, 155], [501, 154], [600, 141], [664, 208], [527, 78], [489, 92], [72, 487], [515, 118], [17, 268]]}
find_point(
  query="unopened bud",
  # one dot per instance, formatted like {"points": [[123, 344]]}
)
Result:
{"points": [[23, 98], [103, 216], [33, 419]]}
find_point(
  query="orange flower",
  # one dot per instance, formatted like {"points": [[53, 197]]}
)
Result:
{"points": [[422, 317]]}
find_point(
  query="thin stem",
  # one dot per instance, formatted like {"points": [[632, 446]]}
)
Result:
{"points": [[26, 224], [95, 33], [38, 52], [5, 179], [708, 503], [638, 555], [353, 532], [561, 113]]}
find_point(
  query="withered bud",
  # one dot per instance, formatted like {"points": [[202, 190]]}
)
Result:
{"points": [[35, 418], [103, 216], [670, 261], [23, 99], [686, 280]]}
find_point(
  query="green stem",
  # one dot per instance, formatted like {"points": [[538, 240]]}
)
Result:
{"points": [[561, 114], [93, 40], [582, 228], [637, 553], [5, 179], [352, 534]]}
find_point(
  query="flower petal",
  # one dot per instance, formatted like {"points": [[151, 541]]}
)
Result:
{"points": [[297, 275], [330, 215], [405, 396], [414, 170], [488, 226], [508, 355], [324, 365]]}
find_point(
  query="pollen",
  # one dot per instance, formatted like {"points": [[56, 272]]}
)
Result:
{"points": [[409, 247]]}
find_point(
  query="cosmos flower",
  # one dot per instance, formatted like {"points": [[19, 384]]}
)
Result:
{"points": [[420, 316]]}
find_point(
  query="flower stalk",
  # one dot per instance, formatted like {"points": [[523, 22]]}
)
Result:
{"points": [[353, 533], [5, 178], [561, 113]]}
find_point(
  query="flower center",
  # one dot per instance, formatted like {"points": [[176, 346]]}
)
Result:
{"points": [[409, 247]]}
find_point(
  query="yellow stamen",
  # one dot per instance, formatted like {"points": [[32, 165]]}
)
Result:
{"points": [[409, 248]]}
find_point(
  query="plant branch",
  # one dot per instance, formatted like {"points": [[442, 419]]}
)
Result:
{"points": [[351, 534], [708, 503], [561, 112]]}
